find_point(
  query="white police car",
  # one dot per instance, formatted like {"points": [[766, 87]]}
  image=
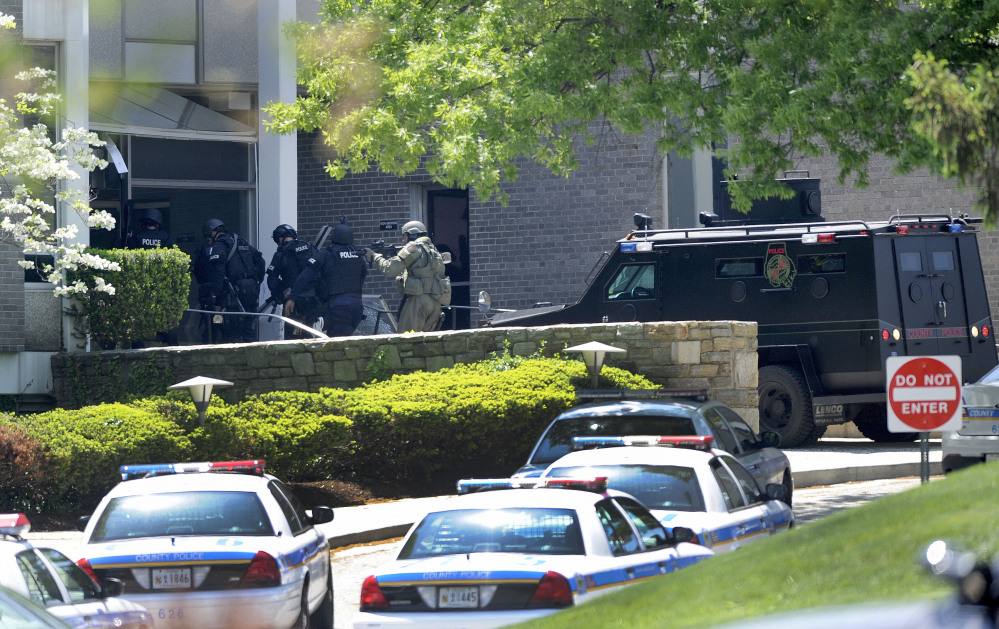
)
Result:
{"points": [[213, 545], [682, 412], [496, 558], [53, 581], [702, 489]]}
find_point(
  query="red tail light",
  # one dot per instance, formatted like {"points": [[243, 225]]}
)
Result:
{"points": [[553, 591], [263, 572], [372, 596], [83, 563]]}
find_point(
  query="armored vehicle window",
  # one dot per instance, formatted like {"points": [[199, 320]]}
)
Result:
{"points": [[634, 281], [910, 261], [738, 267], [822, 263], [943, 260]]}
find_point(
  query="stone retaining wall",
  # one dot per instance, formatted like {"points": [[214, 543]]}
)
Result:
{"points": [[716, 355]]}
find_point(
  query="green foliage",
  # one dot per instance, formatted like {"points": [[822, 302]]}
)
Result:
{"points": [[468, 89], [469, 420], [959, 115], [86, 447], [151, 292], [864, 555], [422, 431], [296, 433]]}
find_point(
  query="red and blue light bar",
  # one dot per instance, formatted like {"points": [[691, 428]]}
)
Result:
{"points": [[475, 485], [696, 442], [14, 524], [131, 472], [596, 484]]}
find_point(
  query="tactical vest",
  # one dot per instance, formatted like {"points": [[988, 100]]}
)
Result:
{"points": [[291, 265], [426, 275], [245, 262], [343, 271]]}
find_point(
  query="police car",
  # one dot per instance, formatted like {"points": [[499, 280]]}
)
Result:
{"points": [[495, 558], [213, 545], [52, 580], [688, 413], [692, 486], [978, 439]]}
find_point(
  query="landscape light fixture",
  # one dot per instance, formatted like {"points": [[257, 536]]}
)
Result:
{"points": [[593, 355], [200, 389]]}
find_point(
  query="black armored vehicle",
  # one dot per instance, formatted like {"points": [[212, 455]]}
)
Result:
{"points": [[832, 301]]}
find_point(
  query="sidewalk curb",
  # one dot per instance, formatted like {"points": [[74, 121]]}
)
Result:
{"points": [[367, 537], [814, 478]]}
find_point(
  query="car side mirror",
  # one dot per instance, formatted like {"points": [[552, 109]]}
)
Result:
{"points": [[776, 491], [82, 521], [321, 515], [682, 534], [770, 439], [112, 587]]}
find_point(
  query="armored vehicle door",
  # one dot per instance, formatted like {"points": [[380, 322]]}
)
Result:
{"points": [[931, 293], [632, 288]]}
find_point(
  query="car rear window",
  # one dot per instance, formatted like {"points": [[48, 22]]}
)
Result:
{"points": [[182, 513], [545, 531], [669, 487], [557, 441]]}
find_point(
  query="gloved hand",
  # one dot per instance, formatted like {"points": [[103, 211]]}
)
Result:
{"points": [[289, 307], [369, 255]]}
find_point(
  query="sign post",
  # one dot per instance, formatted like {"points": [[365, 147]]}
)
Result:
{"points": [[924, 394]]}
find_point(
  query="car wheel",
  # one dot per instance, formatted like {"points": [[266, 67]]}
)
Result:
{"points": [[302, 622], [323, 618], [872, 422], [785, 405]]}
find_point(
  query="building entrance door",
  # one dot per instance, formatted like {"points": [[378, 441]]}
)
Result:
{"points": [[447, 220]]}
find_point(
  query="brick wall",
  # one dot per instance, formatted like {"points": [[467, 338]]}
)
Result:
{"points": [[716, 355], [540, 247]]}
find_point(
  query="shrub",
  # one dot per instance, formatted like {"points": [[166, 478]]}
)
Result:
{"points": [[470, 420], [86, 447], [23, 486], [151, 294], [295, 432]]}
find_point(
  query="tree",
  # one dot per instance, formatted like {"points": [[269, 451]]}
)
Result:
{"points": [[466, 87], [34, 165]]}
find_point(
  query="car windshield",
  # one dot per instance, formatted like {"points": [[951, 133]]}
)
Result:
{"points": [[557, 441], [668, 487], [182, 513], [535, 531]]}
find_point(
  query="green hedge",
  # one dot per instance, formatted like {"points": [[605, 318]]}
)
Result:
{"points": [[420, 431], [151, 294]]}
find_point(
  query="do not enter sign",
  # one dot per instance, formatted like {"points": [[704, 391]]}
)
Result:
{"points": [[924, 393]]}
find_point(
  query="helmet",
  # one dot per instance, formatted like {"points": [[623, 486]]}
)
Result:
{"points": [[343, 234], [414, 229], [283, 231], [212, 225], [151, 215]]}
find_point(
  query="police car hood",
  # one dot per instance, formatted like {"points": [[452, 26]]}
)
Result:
{"points": [[478, 568], [175, 549]]}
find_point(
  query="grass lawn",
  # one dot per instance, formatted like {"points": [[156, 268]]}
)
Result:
{"points": [[869, 553]]}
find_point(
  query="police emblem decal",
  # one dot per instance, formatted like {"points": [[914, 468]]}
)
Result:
{"points": [[779, 267]]}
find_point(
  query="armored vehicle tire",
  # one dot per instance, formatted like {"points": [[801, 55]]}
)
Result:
{"points": [[786, 405], [872, 422]]}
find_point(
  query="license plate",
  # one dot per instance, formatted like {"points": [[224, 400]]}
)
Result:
{"points": [[457, 597], [171, 578]]}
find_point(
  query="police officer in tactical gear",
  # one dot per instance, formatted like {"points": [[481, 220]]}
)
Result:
{"points": [[228, 269], [339, 273], [418, 269], [291, 257], [150, 234]]}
